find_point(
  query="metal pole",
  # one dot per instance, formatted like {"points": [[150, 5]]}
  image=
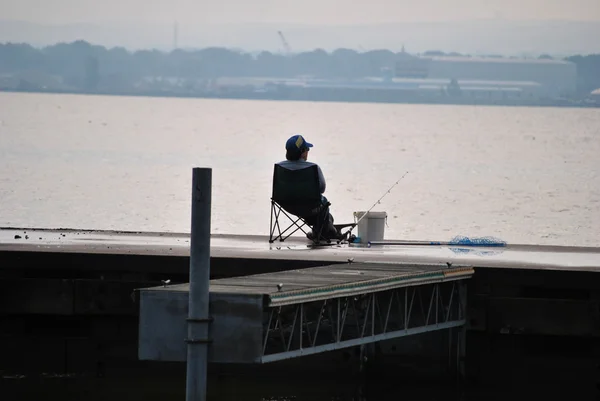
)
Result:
{"points": [[462, 333], [198, 319]]}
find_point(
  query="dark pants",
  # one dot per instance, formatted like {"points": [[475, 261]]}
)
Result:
{"points": [[324, 218]]}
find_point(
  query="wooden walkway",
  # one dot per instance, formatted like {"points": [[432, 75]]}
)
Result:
{"points": [[323, 282], [288, 314]]}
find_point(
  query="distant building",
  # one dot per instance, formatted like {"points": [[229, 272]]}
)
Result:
{"points": [[556, 77], [408, 66], [418, 89]]}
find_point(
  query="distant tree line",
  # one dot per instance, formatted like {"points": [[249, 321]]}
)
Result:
{"points": [[86, 66]]}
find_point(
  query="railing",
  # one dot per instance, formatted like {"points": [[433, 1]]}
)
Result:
{"points": [[317, 326]]}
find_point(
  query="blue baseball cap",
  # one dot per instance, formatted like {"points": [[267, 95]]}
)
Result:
{"points": [[297, 142]]}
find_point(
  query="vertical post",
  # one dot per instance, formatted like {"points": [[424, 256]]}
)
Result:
{"points": [[462, 331], [198, 319]]}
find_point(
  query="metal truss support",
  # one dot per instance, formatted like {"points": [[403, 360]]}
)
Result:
{"points": [[319, 326]]}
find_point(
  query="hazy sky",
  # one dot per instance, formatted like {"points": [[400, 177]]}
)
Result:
{"points": [[293, 11]]}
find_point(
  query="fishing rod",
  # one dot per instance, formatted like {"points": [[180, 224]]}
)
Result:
{"points": [[375, 204], [458, 240], [379, 200]]}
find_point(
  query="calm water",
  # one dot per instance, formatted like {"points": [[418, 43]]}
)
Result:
{"points": [[525, 175]]}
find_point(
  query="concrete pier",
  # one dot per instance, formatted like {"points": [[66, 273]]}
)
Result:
{"points": [[69, 310], [296, 248]]}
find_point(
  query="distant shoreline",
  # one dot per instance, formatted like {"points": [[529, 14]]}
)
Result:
{"points": [[274, 97]]}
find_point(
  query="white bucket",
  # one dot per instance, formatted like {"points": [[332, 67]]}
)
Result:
{"points": [[371, 227]]}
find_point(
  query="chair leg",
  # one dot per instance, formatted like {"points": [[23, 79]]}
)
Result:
{"points": [[276, 211], [273, 224], [294, 221]]}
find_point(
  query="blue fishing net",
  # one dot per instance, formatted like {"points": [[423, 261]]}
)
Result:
{"points": [[477, 241], [476, 252]]}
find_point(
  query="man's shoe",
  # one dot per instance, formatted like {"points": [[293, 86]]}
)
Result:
{"points": [[311, 236]]}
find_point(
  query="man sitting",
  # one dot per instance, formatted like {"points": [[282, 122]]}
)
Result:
{"points": [[296, 158]]}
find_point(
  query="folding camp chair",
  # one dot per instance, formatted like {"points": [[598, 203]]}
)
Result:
{"points": [[297, 194]]}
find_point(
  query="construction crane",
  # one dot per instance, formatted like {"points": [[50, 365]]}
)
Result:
{"points": [[286, 46]]}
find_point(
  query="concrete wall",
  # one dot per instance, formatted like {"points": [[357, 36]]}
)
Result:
{"points": [[531, 331]]}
